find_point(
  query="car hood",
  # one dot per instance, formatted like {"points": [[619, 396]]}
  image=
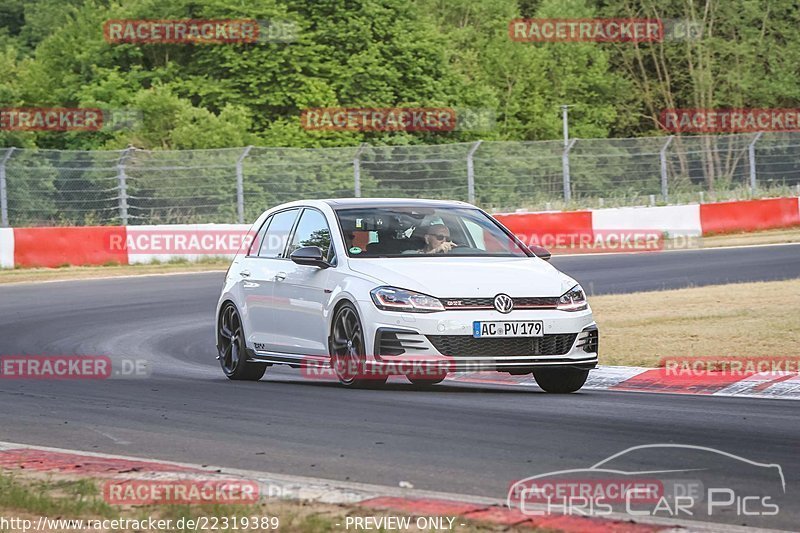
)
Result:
{"points": [[465, 277]]}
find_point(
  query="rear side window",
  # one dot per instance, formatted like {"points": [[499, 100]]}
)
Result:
{"points": [[312, 230], [256, 244], [278, 234]]}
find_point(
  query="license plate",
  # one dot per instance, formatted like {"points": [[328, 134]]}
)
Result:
{"points": [[520, 328]]}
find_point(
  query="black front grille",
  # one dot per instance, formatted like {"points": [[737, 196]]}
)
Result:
{"points": [[467, 346], [455, 303], [590, 343], [388, 343], [488, 303], [548, 301]]}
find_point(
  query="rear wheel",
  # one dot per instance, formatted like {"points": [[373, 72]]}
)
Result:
{"points": [[348, 353], [560, 380], [232, 349]]}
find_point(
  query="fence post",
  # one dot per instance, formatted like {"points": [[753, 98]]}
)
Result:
{"points": [[357, 170], [565, 169], [663, 157], [240, 184], [122, 185], [471, 173], [4, 190], [751, 152]]}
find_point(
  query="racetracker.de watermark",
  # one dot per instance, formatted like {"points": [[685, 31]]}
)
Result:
{"points": [[181, 241], [729, 366], [50, 119], [625, 30], [71, 367], [68, 119], [379, 119], [598, 241], [226, 31], [552, 490], [610, 241], [385, 119], [180, 492], [198, 31], [738, 120], [320, 368]]}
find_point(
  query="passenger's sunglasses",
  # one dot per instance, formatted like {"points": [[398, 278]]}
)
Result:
{"points": [[440, 237]]}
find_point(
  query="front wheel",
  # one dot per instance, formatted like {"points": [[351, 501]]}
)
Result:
{"points": [[348, 353], [232, 349], [560, 380]]}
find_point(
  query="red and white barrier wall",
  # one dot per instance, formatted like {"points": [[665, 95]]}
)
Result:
{"points": [[145, 244], [673, 220], [120, 245], [100, 245], [6, 248]]}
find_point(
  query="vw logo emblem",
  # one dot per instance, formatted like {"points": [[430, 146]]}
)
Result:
{"points": [[503, 303]]}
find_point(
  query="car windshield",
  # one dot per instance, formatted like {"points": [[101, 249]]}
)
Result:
{"points": [[424, 231]]}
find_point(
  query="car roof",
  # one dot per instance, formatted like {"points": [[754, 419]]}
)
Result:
{"points": [[348, 203], [365, 203]]}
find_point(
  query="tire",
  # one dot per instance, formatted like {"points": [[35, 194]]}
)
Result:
{"points": [[232, 348], [560, 380], [426, 381], [348, 350]]}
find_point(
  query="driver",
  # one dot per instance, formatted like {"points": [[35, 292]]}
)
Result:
{"points": [[437, 240]]}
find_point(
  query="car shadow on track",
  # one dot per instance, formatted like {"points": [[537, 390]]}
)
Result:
{"points": [[443, 388]]}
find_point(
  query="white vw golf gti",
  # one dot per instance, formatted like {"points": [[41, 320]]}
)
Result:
{"points": [[375, 287]]}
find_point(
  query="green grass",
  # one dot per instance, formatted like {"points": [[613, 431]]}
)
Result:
{"points": [[78, 497], [742, 320], [634, 199], [67, 272], [24, 494]]}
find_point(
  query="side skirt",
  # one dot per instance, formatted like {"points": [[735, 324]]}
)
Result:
{"points": [[293, 360]]}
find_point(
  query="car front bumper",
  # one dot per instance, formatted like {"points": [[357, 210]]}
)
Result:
{"points": [[402, 343]]}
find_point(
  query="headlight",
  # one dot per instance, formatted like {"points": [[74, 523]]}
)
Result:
{"points": [[394, 299], [573, 300]]}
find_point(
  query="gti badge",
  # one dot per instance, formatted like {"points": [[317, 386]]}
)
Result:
{"points": [[503, 303]]}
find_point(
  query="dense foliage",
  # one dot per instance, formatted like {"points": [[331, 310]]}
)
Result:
{"points": [[387, 53]]}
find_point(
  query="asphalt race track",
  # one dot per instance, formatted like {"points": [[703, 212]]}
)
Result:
{"points": [[617, 273], [456, 438]]}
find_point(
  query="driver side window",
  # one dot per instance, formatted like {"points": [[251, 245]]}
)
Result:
{"points": [[312, 230], [277, 234]]}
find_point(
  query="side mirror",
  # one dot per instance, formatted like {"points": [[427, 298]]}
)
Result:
{"points": [[309, 256], [540, 251]]}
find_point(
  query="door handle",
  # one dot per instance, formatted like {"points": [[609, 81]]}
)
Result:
{"points": [[245, 273], [280, 276]]}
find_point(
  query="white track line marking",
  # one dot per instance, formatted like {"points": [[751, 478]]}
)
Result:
{"points": [[125, 276]]}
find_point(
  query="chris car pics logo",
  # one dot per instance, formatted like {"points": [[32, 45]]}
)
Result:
{"points": [[658, 480]]}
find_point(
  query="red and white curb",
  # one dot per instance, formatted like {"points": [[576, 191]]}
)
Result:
{"points": [[15, 456], [774, 385]]}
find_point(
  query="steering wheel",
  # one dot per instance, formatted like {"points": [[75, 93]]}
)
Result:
{"points": [[465, 249]]}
